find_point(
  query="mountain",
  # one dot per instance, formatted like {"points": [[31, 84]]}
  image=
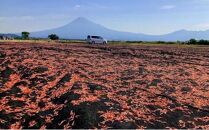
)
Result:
{"points": [[81, 27], [184, 35]]}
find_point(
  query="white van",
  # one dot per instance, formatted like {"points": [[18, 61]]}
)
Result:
{"points": [[96, 40]]}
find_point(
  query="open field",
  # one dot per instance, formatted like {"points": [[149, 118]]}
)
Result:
{"points": [[90, 86], [112, 43]]}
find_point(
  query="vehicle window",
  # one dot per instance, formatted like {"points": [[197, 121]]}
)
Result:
{"points": [[97, 37], [88, 37]]}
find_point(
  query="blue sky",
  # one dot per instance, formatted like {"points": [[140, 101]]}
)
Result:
{"points": [[145, 16]]}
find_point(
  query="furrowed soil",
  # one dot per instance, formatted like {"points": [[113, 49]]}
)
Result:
{"points": [[92, 86]]}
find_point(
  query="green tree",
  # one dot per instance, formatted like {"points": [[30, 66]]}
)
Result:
{"points": [[203, 42], [25, 35], [192, 41], [53, 37]]}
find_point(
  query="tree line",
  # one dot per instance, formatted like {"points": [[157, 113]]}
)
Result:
{"points": [[25, 36], [198, 42]]}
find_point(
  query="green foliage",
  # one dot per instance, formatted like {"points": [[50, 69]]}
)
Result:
{"points": [[18, 38], [161, 42], [25, 35], [192, 41], [203, 42], [134, 41], [196, 42], [53, 37]]}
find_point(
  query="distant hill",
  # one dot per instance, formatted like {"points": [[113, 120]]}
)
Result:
{"points": [[184, 35], [81, 27], [10, 35]]}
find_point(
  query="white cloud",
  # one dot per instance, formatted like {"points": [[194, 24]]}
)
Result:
{"points": [[167, 7], [17, 18], [202, 26], [77, 6]]}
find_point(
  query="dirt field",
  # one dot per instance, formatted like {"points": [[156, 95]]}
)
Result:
{"points": [[83, 86]]}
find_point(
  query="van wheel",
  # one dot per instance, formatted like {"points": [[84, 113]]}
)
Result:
{"points": [[93, 42], [104, 43]]}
